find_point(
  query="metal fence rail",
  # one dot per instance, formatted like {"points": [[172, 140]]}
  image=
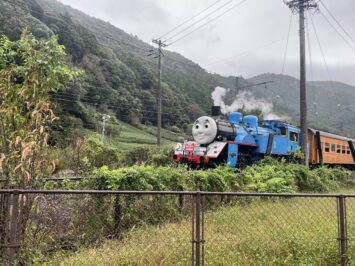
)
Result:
{"points": [[178, 227]]}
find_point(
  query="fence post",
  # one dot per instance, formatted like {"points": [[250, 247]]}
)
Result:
{"points": [[342, 230], [181, 202], [198, 228], [12, 245], [118, 211], [193, 202], [203, 229]]}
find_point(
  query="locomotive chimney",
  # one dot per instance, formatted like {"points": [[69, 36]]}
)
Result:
{"points": [[216, 111]]}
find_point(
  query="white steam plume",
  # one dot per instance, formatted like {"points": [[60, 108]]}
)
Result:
{"points": [[218, 95], [246, 101]]}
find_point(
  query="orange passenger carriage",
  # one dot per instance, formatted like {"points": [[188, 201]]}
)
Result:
{"points": [[331, 149]]}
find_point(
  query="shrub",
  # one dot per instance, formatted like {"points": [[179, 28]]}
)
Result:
{"points": [[154, 156], [99, 154], [269, 175]]}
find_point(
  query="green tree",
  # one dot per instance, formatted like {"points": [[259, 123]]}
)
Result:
{"points": [[29, 70]]}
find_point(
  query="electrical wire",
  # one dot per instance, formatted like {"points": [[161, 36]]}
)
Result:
{"points": [[337, 22], [120, 42], [213, 19], [115, 107], [336, 30], [311, 68], [141, 115], [285, 53], [198, 21], [320, 48], [247, 52], [325, 61], [287, 44], [188, 20]]}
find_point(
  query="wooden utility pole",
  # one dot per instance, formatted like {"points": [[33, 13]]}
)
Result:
{"points": [[237, 84], [300, 6], [159, 56]]}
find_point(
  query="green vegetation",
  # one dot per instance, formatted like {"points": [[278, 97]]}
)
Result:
{"points": [[83, 152], [29, 71], [261, 232], [270, 175], [120, 78]]}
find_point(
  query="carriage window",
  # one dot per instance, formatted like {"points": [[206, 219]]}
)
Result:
{"points": [[338, 149], [333, 148], [343, 149], [327, 147], [283, 131], [293, 136], [348, 150]]}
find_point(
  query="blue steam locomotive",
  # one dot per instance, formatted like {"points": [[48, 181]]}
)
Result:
{"points": [[237, 141]]}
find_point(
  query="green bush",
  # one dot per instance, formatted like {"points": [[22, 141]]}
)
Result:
{"points": [[99, 154], [153, 156], [269, 175], [268, 178]]}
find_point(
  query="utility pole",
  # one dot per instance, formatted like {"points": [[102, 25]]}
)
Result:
{"points": [[105, 118], [300, 6], [237, 84], [159, 56]]}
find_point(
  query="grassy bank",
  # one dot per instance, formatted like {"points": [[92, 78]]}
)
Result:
{"points": [[273, 232]]}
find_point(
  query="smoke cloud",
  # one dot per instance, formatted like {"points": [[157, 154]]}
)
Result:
{"points": [[218, 95], [245, 101]]}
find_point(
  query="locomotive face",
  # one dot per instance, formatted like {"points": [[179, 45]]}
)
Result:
{"points": [[204, 130]]}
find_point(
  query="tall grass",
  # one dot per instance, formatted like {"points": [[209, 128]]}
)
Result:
{"points": [[299, 231]]}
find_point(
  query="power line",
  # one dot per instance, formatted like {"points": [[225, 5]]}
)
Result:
{"points": [[115, 107], [337, 22], [199, 20], [320, 48], [147, 50], [247, 52], [286, 48], [341, 36], [213, 19], [188, 20], [324, 60], [140, 115], [87, 98], [311, 69], [131, 45], [285, 53]]}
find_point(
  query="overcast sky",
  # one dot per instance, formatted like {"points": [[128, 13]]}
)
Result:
{"points": [[248, 40]]}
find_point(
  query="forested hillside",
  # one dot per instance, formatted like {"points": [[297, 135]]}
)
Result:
{"points": [[119, 75], [120, 79], [331, 104]]}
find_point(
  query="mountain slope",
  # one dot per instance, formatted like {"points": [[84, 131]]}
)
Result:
{"points": [[119, 75], [331, 104], [121, 79]]}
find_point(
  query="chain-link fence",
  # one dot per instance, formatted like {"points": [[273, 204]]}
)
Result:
{"points": [[175, 228]]}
